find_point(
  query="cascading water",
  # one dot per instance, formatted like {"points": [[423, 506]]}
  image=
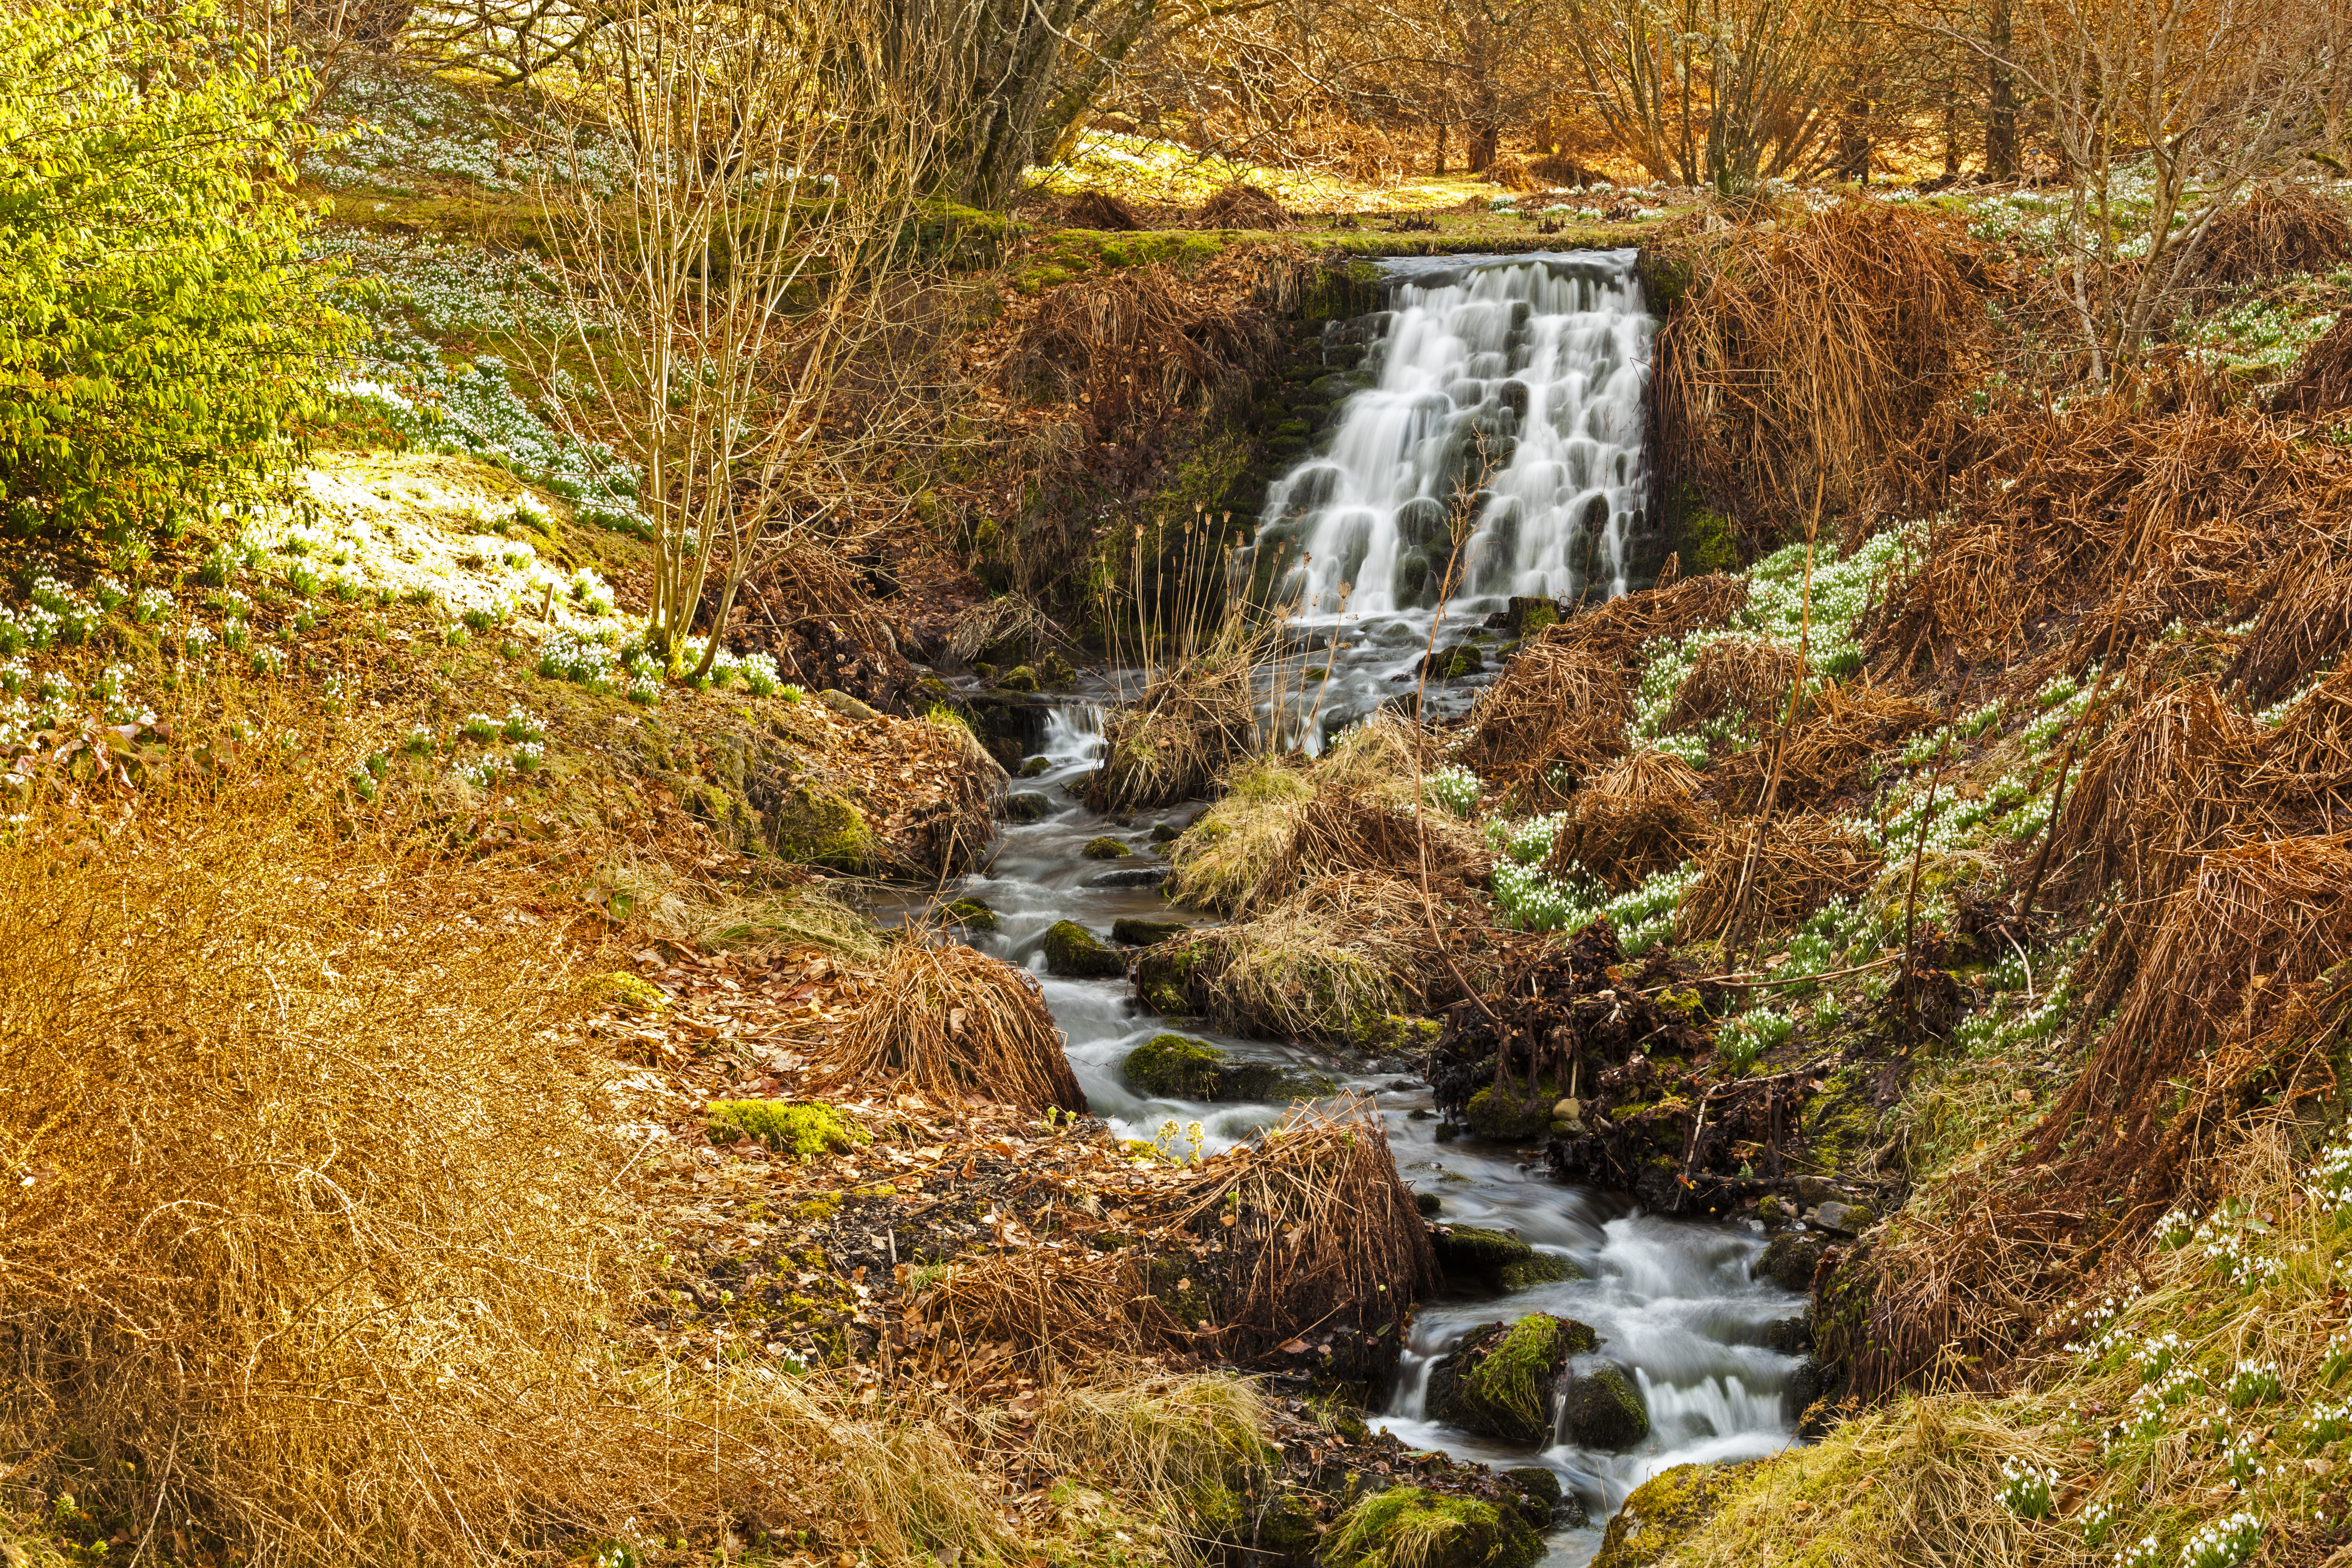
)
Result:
{"points": [[1504, 406]]}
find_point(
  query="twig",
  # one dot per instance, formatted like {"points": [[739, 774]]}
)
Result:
{"points": [[2049, 834], [1911, 898]]}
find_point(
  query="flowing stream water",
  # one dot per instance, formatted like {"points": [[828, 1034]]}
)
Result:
{"points": [[1671, 1300]]}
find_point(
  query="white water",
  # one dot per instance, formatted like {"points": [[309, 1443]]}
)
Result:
{"points": [[1527, 371]]}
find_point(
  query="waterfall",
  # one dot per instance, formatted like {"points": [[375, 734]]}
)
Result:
{"points": [[1504, 408]]}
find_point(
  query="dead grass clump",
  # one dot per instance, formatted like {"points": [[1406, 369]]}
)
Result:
{"points": [[2136, 518], [1191, 725], [1036, 1311], [1137, 341], [2281, 228], [1636, 818], [1799, 865], [2308, 759], [1101, 210], [1011, 622], [2321, 381], [1561, 703], [2306, 624], [1794, 362], [1820, 756], [1168, 1435], [1224, 861], [1512, 175], [1318, 1229], [1242, 206], [1735, 675], [945, 1020]]}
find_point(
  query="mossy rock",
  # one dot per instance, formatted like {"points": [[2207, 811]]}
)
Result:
{"points": [[1393, 1034], [1026, 806], [1036, 765], [1430, 1530], [1134, 932], [973, 914], [1106, 848], [1075, 953], [1477, 1249], [818, 827], [1512, 1113], [802, 1129], [1498, 1381], [1175, 1067], [1603, 1410], [1788, 1261], [1546, 1502], [1454, 663], [1543, 1268], [1662, 1513], [1275, 1527], [626, 993], [1019, 677]]}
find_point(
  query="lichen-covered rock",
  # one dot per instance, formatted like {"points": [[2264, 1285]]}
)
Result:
{"points": [[1105, 849], [1036, 765], [1497, 1383], [974, 914], [1134, 932], [1788, 1261], [1178, 1068], [1660, 1514], [1074, 952], [1603, 1409], [1443, 1532]]}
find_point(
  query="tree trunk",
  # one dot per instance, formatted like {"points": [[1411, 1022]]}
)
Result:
{"points": [[2000, 96]]}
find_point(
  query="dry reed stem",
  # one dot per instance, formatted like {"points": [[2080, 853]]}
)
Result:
{"points": [[1734, 676], [941, 1019], [2321, 380], [1820, 756]]}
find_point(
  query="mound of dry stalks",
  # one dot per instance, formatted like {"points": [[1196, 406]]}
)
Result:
{"points": [[1819, 757], [1192, 723], [944, 1019], [1794, 361], [2321, 381], [1561, 704], [1242, 206], [2126, 519], [2305, 625], [1634, 818], [1137, 342], [2281, 228], [1734, 676], [1778, 878]]}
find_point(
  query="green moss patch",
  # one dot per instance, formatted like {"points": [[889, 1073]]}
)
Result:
{"points": [[1075, 953], [1660, 1514], [802, 1129], [1408, 1527], [1498, 1381], [1175, 1067]]}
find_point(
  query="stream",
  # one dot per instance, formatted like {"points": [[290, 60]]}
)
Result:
{"points": [[1538, 363]]}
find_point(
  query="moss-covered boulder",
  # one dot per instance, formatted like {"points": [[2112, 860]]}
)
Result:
{"points": [[1512, 1112], [1543, 1268], [1788, 1261], [1074, 952], [973, 914], [1498, 1381], [1133, 932], [1026, 806], [1498, 1260], [1603, 1409], [1430, 1530], [1105, 849], [1454, 663], [1175, 1067], [802, 1129], [1267, 1524], [819, 827], [1019, 677], [1660, 1514], [1036, 765], [1544, 1500]]}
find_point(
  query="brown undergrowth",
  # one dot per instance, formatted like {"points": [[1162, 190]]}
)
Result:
{"points": [[940, 1017]]}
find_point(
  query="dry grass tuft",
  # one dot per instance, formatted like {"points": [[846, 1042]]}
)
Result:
{"points": [[1325, 1232], [1242, 206], [944, 1019], [1735, 675], [2308, 759], [1171, 1437], [1799, 864], [1008, 621], [1636, 818], [1137, 342], [1332, 959], [2306, 624], [1792, 364], [1101, 210], [1192, 723], [1037, 1312], [2321, 381], [1842, 726], [1224, 861], [1562, 702], [2281, 228]]}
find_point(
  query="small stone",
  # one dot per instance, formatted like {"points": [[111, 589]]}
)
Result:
{"points": [[973, 913], [1427, 1203], [1074, 952], [1603, 1410], [1788, 1336], [1568, 1111], [1019, 677], [1027, 807], [1165, 833], [1133, 932], [848, 707], [1105, 849], [1543, 1268], [1036, 765], [1845, 1219]]}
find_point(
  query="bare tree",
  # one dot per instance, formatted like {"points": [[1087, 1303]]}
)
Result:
{"points": [[1726, 93], [2165, 110], [763, 218]]}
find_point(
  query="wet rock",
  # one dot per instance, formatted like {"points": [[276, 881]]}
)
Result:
{"points": [[1788, 1262], [1527, 615], [1026, 806], [1438, 1531], [1105, 849], [1036, 765], [1813, 1190], [1476, 1250], [974, 914], [1176, 1067], [1075, 953], [1454, 663], [1134, 932], [1603, 1409], [1788, 1336], [1019, 677], [1543, 1268], [819, 827], [1660, 1514], [1548, 1505], [1427, 1203], [1845, 1219], [1497, 1383], [1512, 1113], [1141, 877], [1166, 832]]}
